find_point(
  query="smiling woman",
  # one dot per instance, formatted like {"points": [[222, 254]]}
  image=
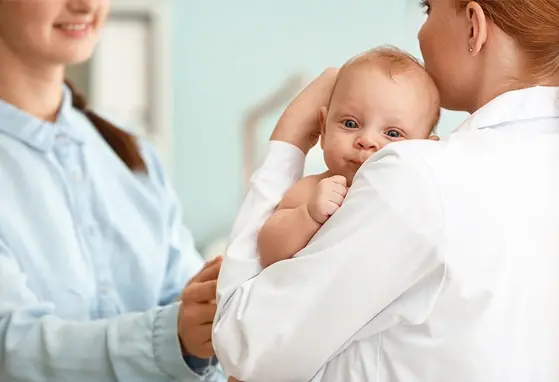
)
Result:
{"points": [[74, 30], [52, 32], [59, 36], [99, 280]]}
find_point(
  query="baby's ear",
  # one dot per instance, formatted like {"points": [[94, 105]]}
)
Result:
{"points": [[434, 138], [322, 115]]}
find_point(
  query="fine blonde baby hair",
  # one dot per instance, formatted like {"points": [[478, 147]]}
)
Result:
{"points": [[396, 62]]}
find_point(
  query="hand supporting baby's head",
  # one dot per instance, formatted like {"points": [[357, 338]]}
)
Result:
{"points": [[381, 96]]}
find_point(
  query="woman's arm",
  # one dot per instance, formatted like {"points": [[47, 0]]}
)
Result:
{"points": [[286, 322], [183, 263], [39, 346], [295, 134]]}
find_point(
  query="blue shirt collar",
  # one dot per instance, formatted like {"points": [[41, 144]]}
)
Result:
{"points": [[38, 133]]}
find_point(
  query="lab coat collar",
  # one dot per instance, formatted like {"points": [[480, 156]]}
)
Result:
{"points": [[513, 106]]}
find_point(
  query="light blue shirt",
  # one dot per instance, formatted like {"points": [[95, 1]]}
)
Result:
{"points": [[92, 258]]}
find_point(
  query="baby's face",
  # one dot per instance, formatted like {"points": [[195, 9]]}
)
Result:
{"points": [[369, 110]]}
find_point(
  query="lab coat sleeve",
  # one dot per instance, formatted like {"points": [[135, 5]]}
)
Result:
{"points": [[287, 321], [281, 169]]}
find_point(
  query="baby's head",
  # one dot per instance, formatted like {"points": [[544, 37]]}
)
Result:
{"points": [[382, 96]]}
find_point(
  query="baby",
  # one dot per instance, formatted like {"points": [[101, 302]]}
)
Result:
{"points": [[381, 96]]}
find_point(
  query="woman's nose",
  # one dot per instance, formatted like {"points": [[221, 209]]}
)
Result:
{"points": [[83, 6]]}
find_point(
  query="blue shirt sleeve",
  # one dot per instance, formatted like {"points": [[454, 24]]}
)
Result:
{"points": [[38, 346], [203, 366]]}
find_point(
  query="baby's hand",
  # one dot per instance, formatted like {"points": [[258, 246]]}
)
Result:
{"points": [[327, 198]]}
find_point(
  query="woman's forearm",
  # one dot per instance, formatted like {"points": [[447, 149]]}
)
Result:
{"points": [[136, 346], [369, 254], [299, 125]]}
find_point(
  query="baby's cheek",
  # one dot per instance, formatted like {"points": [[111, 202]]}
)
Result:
{"points": [[333, 158]]}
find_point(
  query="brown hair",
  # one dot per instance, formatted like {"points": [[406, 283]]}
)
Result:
{"points": [[125, 145], [534, 24]]}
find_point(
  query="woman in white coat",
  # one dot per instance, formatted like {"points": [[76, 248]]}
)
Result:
{"points": [[443, 262]]}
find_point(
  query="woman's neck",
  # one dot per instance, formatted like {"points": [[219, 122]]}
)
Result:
{"points": [[35, 89], [489, 93], [504, 70]]}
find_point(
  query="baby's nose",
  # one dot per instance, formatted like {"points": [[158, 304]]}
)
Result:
{"points": [[368, 143]]}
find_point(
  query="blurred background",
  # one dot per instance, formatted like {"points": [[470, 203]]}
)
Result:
{"points": [[206, 81]]}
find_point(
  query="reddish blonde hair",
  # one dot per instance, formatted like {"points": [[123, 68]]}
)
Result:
{"points": [[534, 24]]}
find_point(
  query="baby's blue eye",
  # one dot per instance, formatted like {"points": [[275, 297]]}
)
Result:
{"points": [[393, 134], [350, 124]]}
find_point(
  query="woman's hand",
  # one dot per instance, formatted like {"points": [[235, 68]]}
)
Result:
{"points": [[299, 123], [197, 311]]}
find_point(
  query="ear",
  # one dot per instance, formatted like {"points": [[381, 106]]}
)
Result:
{"points": [[434, 138], [478, 27], [322, 116]]}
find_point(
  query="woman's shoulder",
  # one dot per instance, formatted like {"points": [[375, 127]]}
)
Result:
{"points": [[418, 165], [420, 153]]}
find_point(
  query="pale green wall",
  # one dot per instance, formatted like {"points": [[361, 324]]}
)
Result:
{"points": [[228, 54]]}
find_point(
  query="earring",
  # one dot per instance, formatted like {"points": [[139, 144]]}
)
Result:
{"points": [[471, 49]]}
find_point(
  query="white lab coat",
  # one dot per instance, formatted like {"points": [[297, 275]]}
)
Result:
{"points": [[442, 264]]}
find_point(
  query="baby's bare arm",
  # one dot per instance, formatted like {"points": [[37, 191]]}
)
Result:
{"points": [[291, 227]]}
